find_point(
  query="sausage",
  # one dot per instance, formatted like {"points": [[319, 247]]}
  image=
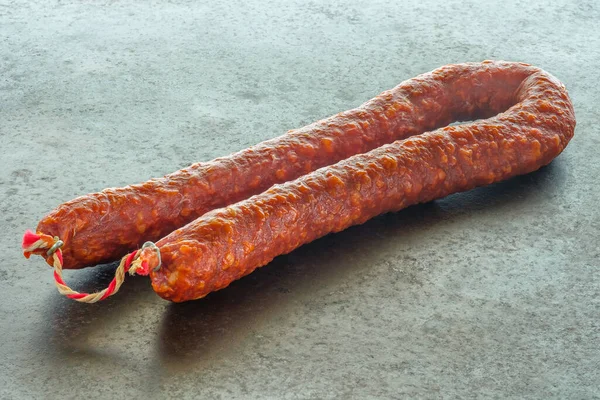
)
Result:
{"points": [[101, 227], [227, 243]]}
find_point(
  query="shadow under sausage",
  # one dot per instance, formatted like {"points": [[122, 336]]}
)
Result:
{"points": [[72, 332], [203, 330]]}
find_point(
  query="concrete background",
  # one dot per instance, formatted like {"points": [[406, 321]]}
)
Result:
{"points": [[488, 294]]}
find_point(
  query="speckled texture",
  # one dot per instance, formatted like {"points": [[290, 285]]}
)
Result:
{"points": [[491, 293]]}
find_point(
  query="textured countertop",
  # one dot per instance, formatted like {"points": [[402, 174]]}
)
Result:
{"points": [[491, 293]]}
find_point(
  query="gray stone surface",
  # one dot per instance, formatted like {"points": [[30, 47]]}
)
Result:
{"points": [[488, 294]]}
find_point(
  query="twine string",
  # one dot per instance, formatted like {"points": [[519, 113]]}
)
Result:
{"points": [[36, 243]]}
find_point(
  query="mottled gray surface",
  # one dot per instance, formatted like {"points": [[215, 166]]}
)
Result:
{"points": [[492, 293]]}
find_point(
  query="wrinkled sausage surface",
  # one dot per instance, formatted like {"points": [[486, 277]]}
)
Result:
{"points": [[535, 123]]}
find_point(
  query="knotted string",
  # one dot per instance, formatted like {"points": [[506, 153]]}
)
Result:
{"points": [[36, 244]]}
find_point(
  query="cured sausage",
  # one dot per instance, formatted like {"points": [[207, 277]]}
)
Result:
{"points": [[101, 227], [227, 243]]}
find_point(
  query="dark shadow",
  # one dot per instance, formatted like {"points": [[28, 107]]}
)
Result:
{"points": [[198, 331], [68, 323]]}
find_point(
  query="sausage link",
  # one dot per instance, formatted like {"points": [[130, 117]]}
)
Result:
{"points": [[226, 244]]}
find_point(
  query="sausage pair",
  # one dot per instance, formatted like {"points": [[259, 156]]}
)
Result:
{"points": [[355, 176]]}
